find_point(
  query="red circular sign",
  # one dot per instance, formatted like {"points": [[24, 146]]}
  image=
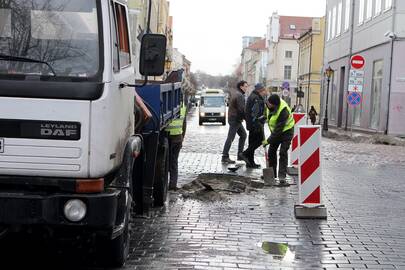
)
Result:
{"points": [[358, 62]]}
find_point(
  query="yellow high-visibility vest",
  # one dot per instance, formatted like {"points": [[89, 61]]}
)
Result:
{"points": [[272, 120], [176, 126]]}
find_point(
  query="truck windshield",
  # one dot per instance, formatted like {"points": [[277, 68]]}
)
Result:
{"points": [[61, 37], [213, 101]]}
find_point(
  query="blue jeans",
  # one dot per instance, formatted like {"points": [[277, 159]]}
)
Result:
{"points": [[235, 127]]}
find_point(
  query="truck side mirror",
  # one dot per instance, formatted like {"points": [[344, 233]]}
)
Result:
{"points": [[153, 55]]}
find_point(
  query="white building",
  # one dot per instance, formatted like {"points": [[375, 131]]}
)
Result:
{"points": [[283, 50]]}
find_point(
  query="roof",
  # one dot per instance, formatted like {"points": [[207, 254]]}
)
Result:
{"points": [[258, 45], [302, 25]]}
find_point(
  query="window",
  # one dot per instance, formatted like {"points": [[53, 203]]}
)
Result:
{"points": [[288, 54], [330, 25], [339, 19], [369, 9], [378, 7], [361, 12], [388, 4], [334, 22], [123, 38], [287, 72], [376, 94], [347, 14], [5, 23], [293, 27]]}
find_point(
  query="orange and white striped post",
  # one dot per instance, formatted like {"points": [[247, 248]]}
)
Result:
{"points": [[300, 120], [310, 174]]}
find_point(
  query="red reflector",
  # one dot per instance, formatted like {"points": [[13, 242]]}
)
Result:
{"points": [[89, 185]]}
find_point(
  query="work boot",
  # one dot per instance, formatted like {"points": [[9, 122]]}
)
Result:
{"points": [[252, 165], [246, 160], [228, 160], [282, 179]]}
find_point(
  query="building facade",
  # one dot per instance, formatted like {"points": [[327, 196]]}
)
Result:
{"points": [[374, 29], [282, 51], [311, 45], [254, 58]]}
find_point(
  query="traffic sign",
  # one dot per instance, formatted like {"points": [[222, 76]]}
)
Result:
{"points": [[357, 61], [354, 99], [286, 93], [356, 88], [356, 80], [356, 73]]}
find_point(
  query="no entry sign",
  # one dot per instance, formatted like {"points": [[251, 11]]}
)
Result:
{"points": [[358, 61]]}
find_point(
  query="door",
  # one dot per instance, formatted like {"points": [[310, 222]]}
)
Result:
{"points": [[341, 95]]}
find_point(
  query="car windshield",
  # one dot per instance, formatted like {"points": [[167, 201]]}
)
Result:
{"points": [[63, 34], [213, 102]]}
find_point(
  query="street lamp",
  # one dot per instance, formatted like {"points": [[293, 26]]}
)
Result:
{"points": [[328, 74]]}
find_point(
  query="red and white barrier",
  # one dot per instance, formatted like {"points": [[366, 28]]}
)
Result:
{"points": [[300, 120], [310, 174]]}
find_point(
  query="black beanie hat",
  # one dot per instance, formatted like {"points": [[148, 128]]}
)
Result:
{"points": [[274, 99]]}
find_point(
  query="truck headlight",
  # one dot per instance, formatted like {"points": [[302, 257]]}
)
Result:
{"points": [[75, 210], [202, 114], [222, 114]]}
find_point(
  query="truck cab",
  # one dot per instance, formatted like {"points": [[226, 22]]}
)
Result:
{"points": [[68, 148]]}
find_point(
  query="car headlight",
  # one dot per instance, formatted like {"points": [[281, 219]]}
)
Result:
{"points": [[222, 114], [75, 210], [202, 114]]}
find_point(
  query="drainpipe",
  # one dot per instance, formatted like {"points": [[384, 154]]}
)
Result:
{"points": [[310, 68], [349, 62], [393, 37]]}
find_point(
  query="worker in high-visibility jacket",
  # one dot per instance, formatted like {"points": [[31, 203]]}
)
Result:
{"points": [[177, 131], [281, 124]]}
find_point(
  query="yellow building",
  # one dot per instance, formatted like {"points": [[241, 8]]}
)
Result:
{"points": [[311, 45]]}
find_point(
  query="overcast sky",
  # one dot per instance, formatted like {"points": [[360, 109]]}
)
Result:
{"points": [[209, 32]]}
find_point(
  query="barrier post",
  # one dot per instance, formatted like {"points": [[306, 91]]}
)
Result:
{"points": [[300, 120], [310, 175]]}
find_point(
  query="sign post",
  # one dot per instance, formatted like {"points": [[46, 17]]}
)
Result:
{"points": [[356, 84]]}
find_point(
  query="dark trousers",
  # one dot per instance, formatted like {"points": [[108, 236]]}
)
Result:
{"points": [[234, 127], [255, 141], [175, 147], [284, 143]]}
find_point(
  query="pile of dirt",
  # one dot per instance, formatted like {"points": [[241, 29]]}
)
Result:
{"points": [[217, 187]]}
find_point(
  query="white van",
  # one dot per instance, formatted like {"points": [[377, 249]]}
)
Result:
{"points": [[212, 106]]}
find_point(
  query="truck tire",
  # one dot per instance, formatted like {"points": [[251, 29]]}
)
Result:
{"points": [[115, 251], [161, 182]]}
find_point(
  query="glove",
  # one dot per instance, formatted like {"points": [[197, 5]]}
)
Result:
{"points": [[265, 143]]}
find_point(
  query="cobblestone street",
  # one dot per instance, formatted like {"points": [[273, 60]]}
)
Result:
{"points": [[363, 191]]}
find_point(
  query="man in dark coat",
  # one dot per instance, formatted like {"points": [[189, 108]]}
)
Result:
{"points": [[255, 119], [236, 115]]}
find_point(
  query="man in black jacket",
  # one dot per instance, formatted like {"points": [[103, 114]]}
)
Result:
{"points": [[236, 115], [255, 119], [281, 124]]}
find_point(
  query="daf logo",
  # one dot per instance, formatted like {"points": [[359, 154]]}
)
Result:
{"points": [[58, 130]]}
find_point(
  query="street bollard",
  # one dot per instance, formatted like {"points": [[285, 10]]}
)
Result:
{"points": [[300, 120], [310, 175]]}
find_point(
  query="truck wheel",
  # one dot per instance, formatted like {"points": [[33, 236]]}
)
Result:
{"points": [[160, 184], [116, 251]]}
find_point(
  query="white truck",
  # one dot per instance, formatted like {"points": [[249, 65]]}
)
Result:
{"points": [[212, 106], [69, 155]]}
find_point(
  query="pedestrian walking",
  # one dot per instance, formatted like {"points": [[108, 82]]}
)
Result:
{"points": [[312, 115], [177, 131], [236, 116], [281, 124], [255, 120]]}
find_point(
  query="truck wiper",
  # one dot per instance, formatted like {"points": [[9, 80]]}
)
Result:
{"points": [[26, 59]]}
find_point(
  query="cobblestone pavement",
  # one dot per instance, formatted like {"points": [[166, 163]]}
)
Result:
{"points": [[364, 191]]}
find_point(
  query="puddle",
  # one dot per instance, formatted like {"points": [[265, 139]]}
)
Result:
{"points": [[279, 251], [216, 187]]}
